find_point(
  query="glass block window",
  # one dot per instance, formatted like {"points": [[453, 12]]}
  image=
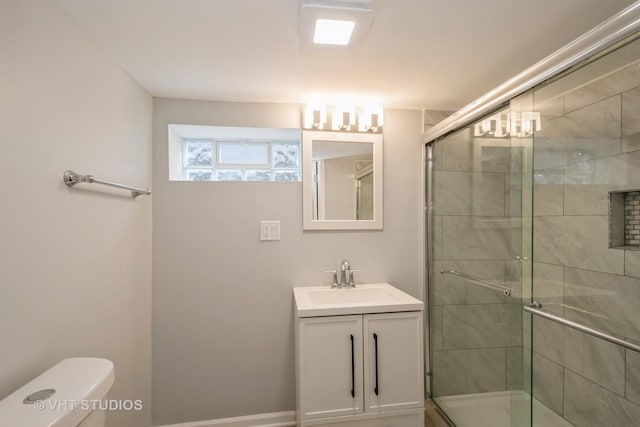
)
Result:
{"points": [[229, 175], [286, 155], [257, 175], [199, 174], [221, 153], [286, 175], [198, 152]]}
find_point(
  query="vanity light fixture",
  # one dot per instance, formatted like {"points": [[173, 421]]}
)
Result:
{"points": [[315, 116], [334, 26], [371, 118], [343, 118]]}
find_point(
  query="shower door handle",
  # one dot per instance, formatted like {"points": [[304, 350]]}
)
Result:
{"points": [[536, 308], [375, 349]]}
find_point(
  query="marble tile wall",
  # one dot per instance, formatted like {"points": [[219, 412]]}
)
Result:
{"points": [[589, 146], [469, 371], [588, 404]]}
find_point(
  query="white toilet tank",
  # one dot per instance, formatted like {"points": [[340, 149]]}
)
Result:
{"points": [[63, 396]]}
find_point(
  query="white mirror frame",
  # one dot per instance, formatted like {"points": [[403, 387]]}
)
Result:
{"points": [[308, 223]]}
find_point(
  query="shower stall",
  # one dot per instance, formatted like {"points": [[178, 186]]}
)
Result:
{"points": [[533, 243]]}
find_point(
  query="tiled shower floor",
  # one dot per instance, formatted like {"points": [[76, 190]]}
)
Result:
{"points": [[494, 410]]}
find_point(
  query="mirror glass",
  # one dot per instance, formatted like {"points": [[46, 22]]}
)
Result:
{"points": [[342, 179]]}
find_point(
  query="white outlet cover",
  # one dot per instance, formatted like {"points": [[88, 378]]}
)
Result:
{"points": [[269, 230]]}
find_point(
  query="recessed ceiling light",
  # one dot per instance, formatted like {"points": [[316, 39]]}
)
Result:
{"points": [[331, 31], [334, 26]]}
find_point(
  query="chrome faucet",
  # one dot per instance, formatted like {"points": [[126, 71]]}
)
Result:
{"points": [[346, 274]]}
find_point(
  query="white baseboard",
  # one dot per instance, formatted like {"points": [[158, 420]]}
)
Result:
{"points": [[275, 419]]}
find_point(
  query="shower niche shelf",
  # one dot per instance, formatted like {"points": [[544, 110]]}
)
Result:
{"points": [[624, 219]]}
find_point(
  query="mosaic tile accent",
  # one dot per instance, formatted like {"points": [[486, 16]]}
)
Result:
{"points": [[632, 218]]}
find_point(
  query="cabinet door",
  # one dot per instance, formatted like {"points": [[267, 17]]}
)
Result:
{"points": [[393, 362], [330, 358]]}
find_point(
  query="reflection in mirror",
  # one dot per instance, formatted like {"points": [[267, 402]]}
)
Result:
{"points": [[343, 181], [364, 201]]}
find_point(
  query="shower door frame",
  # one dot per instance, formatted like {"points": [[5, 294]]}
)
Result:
{"points": [[428, 252]]}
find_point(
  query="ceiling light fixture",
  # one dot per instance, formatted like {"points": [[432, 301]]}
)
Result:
{"points": [[334, 25], [332, 31]]}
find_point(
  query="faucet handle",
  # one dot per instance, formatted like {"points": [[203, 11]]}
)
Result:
{"points": [[335, 283], [350, 282]]}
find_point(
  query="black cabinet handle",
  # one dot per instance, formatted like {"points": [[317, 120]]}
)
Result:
{"points": [[353, 370], [375, 341]]}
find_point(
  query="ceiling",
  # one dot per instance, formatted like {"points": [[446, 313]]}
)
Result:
{"points": [[435, 54]]}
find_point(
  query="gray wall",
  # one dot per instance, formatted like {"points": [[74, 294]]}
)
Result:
{"points": [[589, 145], [222, 300], [76, 263]]}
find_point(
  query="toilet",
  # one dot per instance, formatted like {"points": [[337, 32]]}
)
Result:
{"points": [[66, 395]]}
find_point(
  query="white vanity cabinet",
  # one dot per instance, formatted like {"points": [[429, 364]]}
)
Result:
{"points": [[393, 362], [329, 351], [360, 370]]}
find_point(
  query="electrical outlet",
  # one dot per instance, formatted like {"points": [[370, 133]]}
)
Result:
{"points": [[269, 230]]}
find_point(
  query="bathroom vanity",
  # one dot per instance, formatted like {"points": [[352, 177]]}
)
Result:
{"points": [[359, 357]]}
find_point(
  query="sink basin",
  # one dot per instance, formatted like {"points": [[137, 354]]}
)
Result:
{"points": [[315, 301]]}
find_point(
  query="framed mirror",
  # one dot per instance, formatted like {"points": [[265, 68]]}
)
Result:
{"points": [[342, 181]]}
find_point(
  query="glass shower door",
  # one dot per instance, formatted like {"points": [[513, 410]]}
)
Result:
{"points": [[479, 272], [534, 255]]}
